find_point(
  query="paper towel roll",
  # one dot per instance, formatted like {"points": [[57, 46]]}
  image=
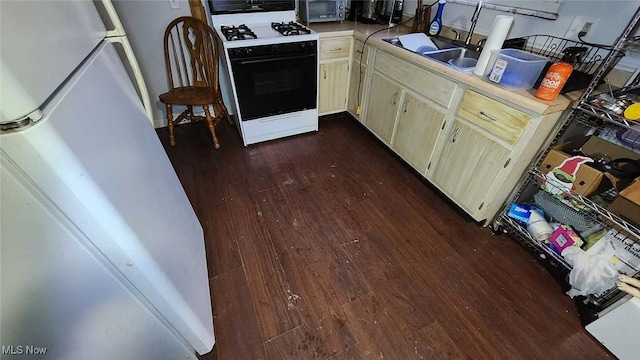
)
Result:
{"points": [[501, 26]]}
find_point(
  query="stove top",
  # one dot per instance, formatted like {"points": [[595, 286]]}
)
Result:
{"points": [[254, 29], [240, 32], [289, 29]]}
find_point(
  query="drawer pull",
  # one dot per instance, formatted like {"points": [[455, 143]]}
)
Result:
{"points": [[492, 118], [336, 49], [394, 98], [455, 134]]}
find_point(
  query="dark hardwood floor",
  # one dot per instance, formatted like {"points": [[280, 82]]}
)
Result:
{"points": [[325, 246]]}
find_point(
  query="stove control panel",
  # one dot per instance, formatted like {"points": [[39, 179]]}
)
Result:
{"points": [[274, 49]]}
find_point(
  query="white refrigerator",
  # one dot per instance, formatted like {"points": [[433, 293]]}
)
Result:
{"points": [[101, 253]]}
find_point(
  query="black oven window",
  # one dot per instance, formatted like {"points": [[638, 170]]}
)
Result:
{"points": [[273, 82]]}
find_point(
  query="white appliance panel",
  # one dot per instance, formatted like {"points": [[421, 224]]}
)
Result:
{"points": [[278, 126], [51, 271], [33, 62], [98, 158], [618, 329]]}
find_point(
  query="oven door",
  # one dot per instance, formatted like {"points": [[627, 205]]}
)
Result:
{"points": [[277, 83]]}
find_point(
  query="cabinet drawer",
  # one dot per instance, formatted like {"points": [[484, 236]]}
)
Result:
{"points": [[360, 53], [420, 80], [335, 48], [494, 116]]}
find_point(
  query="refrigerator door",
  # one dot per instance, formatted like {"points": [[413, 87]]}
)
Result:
{"points": [[99, 160], [60, 297], [41, 43]]}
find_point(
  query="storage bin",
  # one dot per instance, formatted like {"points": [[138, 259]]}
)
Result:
{"points": [[514, 69]]}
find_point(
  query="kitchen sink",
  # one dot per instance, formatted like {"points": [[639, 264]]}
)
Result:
{"points": [[440, 43], [449, 53], [459, 58]]}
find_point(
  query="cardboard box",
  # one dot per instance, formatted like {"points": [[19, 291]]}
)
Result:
{"points": [[588, 180], [627, 204]]}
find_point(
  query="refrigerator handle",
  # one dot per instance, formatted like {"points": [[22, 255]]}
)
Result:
{"points": [[117, 34]]}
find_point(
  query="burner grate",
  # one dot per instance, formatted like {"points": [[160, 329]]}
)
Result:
{"points": [[290, 28], [240, 32]]}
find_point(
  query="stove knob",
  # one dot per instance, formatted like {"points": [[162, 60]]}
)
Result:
{"points": [[275, 49], [341, 7], [303, 45]]}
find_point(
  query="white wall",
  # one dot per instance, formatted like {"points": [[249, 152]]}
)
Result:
{"points": [[613, 15], [145, 22]]}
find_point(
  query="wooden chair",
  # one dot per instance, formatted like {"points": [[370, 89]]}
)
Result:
{"points": [[191, 59]]}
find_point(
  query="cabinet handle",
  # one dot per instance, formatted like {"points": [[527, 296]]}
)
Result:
{"points": [[394, 99], [325, 73], [335, 49], [492, 118], [455, 134], [404, 107]]}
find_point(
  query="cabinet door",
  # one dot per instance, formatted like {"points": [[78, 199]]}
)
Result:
{"points": [[384, 100], [468, 165], [356, 88], [333, 86], [419, 125]]}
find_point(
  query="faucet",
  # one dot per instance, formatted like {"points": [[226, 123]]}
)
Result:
{"points": [[474, 20]]}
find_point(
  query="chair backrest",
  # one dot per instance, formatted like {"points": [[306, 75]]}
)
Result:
{"points": [[191, 53]]}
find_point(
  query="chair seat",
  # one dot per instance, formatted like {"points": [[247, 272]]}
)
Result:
{"points": [[190, 95]]}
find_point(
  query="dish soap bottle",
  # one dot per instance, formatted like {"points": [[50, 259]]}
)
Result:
{"points": [[436, 25]]}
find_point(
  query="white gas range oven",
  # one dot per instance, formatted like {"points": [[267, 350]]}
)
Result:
{"points": [[272, 66]]}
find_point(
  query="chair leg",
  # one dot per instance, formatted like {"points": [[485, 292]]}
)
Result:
{"points": [[212, 127], [223, 110], [172, 138]]}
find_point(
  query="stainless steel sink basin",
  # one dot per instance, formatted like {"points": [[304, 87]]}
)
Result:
{"points": [[459, 58], [449, 53], [440, 43]]}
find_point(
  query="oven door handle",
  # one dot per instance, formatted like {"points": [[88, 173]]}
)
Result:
{"points": [[271, 59]]}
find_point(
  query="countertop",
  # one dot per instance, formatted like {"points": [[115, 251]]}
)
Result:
{"points": [[524, 98]]}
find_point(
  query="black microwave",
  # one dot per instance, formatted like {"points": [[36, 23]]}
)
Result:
{"points": [[321, 10]]}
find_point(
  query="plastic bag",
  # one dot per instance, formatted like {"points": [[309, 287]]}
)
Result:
{"points": [[590, 274]]}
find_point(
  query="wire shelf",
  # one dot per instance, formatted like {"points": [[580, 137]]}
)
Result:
{"points": [[584, 58], [516, 229], [592, 205], [606, 115]]}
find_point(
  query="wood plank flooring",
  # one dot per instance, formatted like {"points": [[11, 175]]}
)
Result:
{"points": [[325, 246]]}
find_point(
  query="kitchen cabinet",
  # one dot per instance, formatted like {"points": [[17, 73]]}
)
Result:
{"points": [[484, 151], [333, 82], [418, 128], [397, 92], [383, 104], [468, 166]]}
